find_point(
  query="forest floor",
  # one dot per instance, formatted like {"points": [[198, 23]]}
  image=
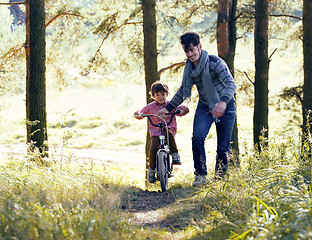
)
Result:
{"points": [[148, 209]]}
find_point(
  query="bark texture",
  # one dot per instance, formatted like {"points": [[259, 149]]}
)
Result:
{"points": [[150, 56], [226, 44], [261, 108], [307, 63], [35, 79]]}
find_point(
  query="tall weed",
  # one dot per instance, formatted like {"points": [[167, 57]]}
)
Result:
{"points": [[268, 198], [39, 202]]}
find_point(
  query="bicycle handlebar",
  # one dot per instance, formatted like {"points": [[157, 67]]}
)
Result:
{"points": [[161, 125]]}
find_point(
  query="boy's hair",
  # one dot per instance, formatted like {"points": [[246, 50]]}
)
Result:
{"points": [[189, 38], [159, 87]]}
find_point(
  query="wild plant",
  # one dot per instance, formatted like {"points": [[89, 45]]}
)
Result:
{"points": [[267, 198], [66, 134], [40, 202]]}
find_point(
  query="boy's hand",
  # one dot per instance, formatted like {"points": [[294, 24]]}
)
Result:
{"points": [[136, 114]]}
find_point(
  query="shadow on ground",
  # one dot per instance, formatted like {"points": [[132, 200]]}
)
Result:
{"points": [[169, 210]]}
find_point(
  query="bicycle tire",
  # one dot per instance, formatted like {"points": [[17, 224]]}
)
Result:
{"points": [[163, 171]]}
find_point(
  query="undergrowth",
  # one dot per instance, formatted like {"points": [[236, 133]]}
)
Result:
{"points": [[40, 202], [268, 197]]}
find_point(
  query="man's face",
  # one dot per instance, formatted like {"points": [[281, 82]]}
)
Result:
{"points": [[193, 53]]}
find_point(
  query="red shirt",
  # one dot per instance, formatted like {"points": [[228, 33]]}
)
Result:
{"points": [[153, 108]]}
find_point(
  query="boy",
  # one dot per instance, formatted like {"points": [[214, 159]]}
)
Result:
{"points": [[159, 92]]}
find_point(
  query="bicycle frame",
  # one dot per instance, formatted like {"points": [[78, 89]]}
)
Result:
{"points": [[162, 125], [163, 164]]}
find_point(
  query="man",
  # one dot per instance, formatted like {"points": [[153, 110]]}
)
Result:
{"points": [[216, 88]]}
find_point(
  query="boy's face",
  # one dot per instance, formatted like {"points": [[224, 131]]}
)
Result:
{"points": [[193, 53], [160, 97]]}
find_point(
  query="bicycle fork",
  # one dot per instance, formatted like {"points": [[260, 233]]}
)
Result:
{"points": [[168, 164]]}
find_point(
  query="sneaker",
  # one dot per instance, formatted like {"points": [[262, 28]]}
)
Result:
{"points": [[199, 180], [176, 159], [151, 175]]}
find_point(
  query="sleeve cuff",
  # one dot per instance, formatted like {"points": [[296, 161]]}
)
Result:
{"points": [[225, 99], [169, 107]]}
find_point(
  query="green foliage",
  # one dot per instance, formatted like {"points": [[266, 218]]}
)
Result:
{"points": [[290, 99], [284, 15], [12, 59], [88, 42], [45, 203], [123, 25], [269, 197]]}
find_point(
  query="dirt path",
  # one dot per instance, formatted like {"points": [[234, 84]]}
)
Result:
{"points": [[156, 210], [147, 208]]}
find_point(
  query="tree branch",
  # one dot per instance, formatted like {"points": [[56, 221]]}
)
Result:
{"points": [[286, 15], [249, 78], [238, 16], [61, 14], [13, 3], [112, 31], [178, 64], [272, 54], [6, 56], [241, 15], [298, 96], [10, 54]]}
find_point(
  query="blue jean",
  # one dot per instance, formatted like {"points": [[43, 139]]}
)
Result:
{"points": [[224, 125]]}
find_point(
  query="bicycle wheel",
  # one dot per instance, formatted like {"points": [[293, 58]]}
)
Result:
{"points": [[162, 170]]}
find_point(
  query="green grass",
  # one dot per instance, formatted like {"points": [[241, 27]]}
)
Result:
{"points": [[40, 202], [265, 199]]}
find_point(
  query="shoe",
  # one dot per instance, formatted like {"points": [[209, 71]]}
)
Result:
{"points": [[176, 159], [151, 175], [199, 180]]}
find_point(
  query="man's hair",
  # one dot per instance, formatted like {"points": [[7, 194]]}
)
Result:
{"points": [[159, 87], [189, 38]]}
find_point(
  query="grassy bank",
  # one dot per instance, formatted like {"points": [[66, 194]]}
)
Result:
{"points": [[268, 198]]}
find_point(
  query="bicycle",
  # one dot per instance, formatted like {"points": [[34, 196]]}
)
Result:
{"points": [[164, 164]]}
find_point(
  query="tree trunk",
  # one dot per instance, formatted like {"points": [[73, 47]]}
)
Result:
{"points": [[226, 43], [307, 85], [150, 56], [35, 79], [261, 109], [223, 28]]}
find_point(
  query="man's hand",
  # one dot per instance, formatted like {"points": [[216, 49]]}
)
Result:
{"points": [[162, 112], [184, 111], [219, 109]]}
